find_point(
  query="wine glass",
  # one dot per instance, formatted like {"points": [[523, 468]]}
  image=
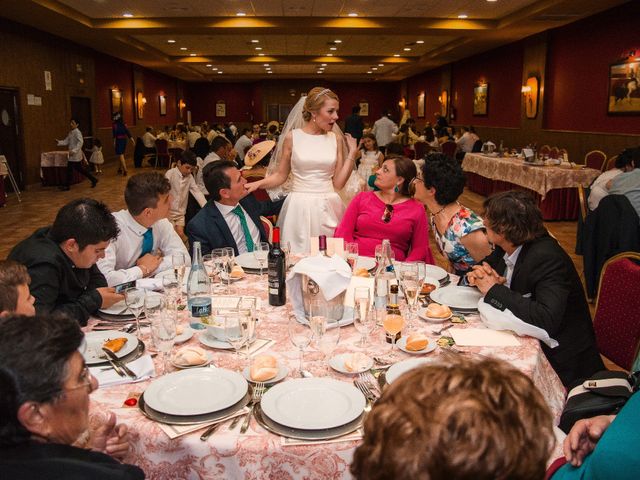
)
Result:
{"points": [[393, 324], [134, 298], [179, 264], [300, 336], [317, 318], [230, 256], [219, 257], [352, 254], [153, 304], [365, 322], [236, 330], [411, 285], [261, 253], [328, 342], [211, 267], [163, 333]]}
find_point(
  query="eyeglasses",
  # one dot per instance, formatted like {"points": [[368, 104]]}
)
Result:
{"points": [[388, 212], [85, 381]]}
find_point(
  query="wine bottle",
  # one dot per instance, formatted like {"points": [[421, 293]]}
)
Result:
{"points": [[198, 291], [322, 245], [277, 269]]}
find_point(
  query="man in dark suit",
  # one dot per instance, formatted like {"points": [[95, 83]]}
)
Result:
{"points": [[231, 218], [353, 123], [529, 274]]}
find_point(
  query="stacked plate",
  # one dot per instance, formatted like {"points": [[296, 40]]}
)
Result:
{"points": [[94, 341], [398, 369], [249, 263], [438, 273], [311, 409], [461, 299], [195, 396], [118, 312]]}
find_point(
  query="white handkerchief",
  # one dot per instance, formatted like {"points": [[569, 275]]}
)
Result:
{"points": [[142, 367], [482, 337], [149, 284]]}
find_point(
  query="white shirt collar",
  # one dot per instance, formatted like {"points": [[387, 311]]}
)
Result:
{"points": [[133, 225], [225, 209], [511, 260]]}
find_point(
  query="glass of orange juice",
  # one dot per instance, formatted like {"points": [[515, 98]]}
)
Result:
{"points": [[392, 324]]}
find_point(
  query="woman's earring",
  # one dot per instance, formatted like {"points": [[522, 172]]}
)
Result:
{"points": [[396, 189]]}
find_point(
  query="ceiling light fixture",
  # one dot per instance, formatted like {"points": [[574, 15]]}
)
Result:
{"points": [[241, 14], [407, 49], [220, 72], [258, 48], [127, 15], [261, 54], [209, 65], [374, 68], [214, 68], [381, 64], [329, 54], [333, 48], [171, 41], [255, 41], [352, 14], [420, 41], [369, 71], [192, 54], [337, 41], [396, 54], [266, 64], [463, 16], [324, 65], [183, 48]]}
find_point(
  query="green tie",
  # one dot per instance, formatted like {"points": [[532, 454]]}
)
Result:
{"points": [[245, 228]]}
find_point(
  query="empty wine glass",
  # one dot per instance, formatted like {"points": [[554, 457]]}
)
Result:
{"points": [[352, 254], [230, 256], [236, 330], [328, 342], [134, 298], [179, 264], [261, 253], [153, 304], [163, 333], [219, 256], [211, 267], [300, 336], [364, 320]]}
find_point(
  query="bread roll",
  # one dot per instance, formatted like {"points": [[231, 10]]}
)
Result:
{"points": [[361, 272], [237, 272], [264, 367], [417, 341], [115, 344], [179, 329], [356, 362], [189, 356], [435, 310]]}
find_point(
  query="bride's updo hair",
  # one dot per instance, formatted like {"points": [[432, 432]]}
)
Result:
{"points": [[315, 99]]}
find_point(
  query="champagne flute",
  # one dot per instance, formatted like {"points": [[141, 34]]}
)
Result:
{"points": [[317, 318], [393, 324], [300, 336], [236, 329], [261, 253], [364, 320], [352, 254], [230, 256], [411, 285], [179, 263], [163, 333], [134, 298]]}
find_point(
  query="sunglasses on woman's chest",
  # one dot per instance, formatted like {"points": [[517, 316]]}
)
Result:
{"points": [[388, 212]]}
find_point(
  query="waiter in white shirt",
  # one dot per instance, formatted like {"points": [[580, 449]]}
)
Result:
{"points": [[384, 129], [74, 142], [147, 239]]}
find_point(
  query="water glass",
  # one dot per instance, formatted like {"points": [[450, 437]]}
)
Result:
{"points": [[219, 257], [300, 336], [154, 304], [163, 333], [364, 320], [134, 298], [236, 330], [351, 248], [211, 267], [261, 253], [179, 264], [230, 256]]}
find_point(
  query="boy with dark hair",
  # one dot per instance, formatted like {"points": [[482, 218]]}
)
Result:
{"points": [[15, 297]]}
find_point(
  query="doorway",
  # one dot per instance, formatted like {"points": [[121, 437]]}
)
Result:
{"points": [[81, 110], [10, 134]]}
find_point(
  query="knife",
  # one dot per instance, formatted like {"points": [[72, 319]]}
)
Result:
{"points": [[116, 361], [117, 369]]}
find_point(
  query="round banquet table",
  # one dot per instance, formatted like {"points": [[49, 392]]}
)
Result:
{"points": [[259, 454]]}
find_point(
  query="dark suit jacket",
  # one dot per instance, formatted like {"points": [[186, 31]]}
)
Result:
{"points": [[546, 292], [210, 229]]}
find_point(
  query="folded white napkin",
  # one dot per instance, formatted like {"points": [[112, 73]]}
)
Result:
{"points": [[149, 284], [506, 320], [142, 367], [332, 274], [175, 431]]}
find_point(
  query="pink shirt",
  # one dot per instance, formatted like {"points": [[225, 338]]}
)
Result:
{"points": [[407, 230]]}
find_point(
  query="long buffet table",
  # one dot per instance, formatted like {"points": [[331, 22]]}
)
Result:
{"points": [[259, 454], [554, 187]]}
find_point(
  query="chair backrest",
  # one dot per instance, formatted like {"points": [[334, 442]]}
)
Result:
{"points": [[162, 146], [268, 228], [449, 148], [617, 319], [260, 194], [477, 146], [554, 152], [582, 196], [595, 159], [610, 163], [544, 150]]}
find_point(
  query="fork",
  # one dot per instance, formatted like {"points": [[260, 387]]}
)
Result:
{"points": [[438, 332], [256, 395], [367, 394], [369, 380]]}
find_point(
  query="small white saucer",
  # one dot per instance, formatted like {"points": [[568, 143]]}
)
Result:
{"points": [[184, 367], [337, 363], [422, 313], [402, 345], [186, 334], [211, 342], [283, 371]]}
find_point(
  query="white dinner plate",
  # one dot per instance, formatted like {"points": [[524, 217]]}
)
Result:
{"points": [[397, 369], [337, 363], [465, 298], [432, 281], [186, 334], [120, 308], [196, 391], [248, 260], [367, 263], [313, 403], [182, 366], [95, 340], [436, 272], [422, 313], [283, 371], [211, 342], [402, 345]]}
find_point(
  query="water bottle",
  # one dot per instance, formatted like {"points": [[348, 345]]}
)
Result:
{"points": [[198, 291]]}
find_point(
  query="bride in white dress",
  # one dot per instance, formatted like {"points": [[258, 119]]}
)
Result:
{"points": [[310, 164]]}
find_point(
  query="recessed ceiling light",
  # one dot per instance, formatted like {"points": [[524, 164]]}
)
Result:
{"points": [[266, 64], [269, 71], [324, 64], [329, 54], [463, 15], [396, 54], [220, 72], [374, 68], [261, 54], [241, 14], [255, 41], [381, 64], [171, 41], [407, 49], [332, 48], [209, 65], [353, 14], [127, 15], [258, 48], [192, 54], [420, 41], [492, 0], [214, 68], [369, 71], [183, 48]]}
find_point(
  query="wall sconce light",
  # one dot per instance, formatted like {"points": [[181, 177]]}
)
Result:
{"points": [[526, 90], [402, 103], [144, 100], [181, 104]]}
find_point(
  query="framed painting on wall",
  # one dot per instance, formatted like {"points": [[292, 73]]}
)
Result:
{"points": [[221, 108], [531, 92], [140, 101], [421, 105], [481, 99], [162, 101], [624, 89], [116, 101], [364, 109]]}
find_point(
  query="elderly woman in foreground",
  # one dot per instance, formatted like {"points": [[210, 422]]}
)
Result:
{"points": [[458, 419], [44, 405]]}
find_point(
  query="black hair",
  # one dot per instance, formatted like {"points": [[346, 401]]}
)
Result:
{"points": [[189, 158], [218, 142], [86, 220], [515, 215], [215, 177], [630, 156], [355, 109], [445, 175], [143, 190]]}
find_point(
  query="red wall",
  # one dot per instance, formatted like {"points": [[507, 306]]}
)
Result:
{"points": [[431, 84], [156, 84], [380, 96], [202, 98], [502, 70], [578, 71], [110, 73]]}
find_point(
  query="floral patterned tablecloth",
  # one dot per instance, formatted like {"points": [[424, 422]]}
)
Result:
{"points": [[259, 454], [540, 179]]}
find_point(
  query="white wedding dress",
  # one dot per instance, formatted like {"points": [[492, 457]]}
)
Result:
{"points": [[312, 207]]}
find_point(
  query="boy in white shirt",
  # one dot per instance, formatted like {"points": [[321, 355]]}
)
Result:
{"points": [[182, 182]]}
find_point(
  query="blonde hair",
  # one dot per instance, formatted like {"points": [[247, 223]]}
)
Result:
{"points": [[461, 418], [314, 100]]}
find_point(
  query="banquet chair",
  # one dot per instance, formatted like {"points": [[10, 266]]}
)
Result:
{"points": [[163, 158], [544, 150], [554, 152], [610, 163], [582, 197], [617, 319], [595, 159], [268, 228], [477, 146], [563, 152], [449, 149]]}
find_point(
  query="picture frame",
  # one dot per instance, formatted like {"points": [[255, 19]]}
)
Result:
{"points": [[140, 101], [531, 96], [421, 105], [481, 100], [221, 108], [364, 109], [624, 89], [116, 101], [162, 101]]}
